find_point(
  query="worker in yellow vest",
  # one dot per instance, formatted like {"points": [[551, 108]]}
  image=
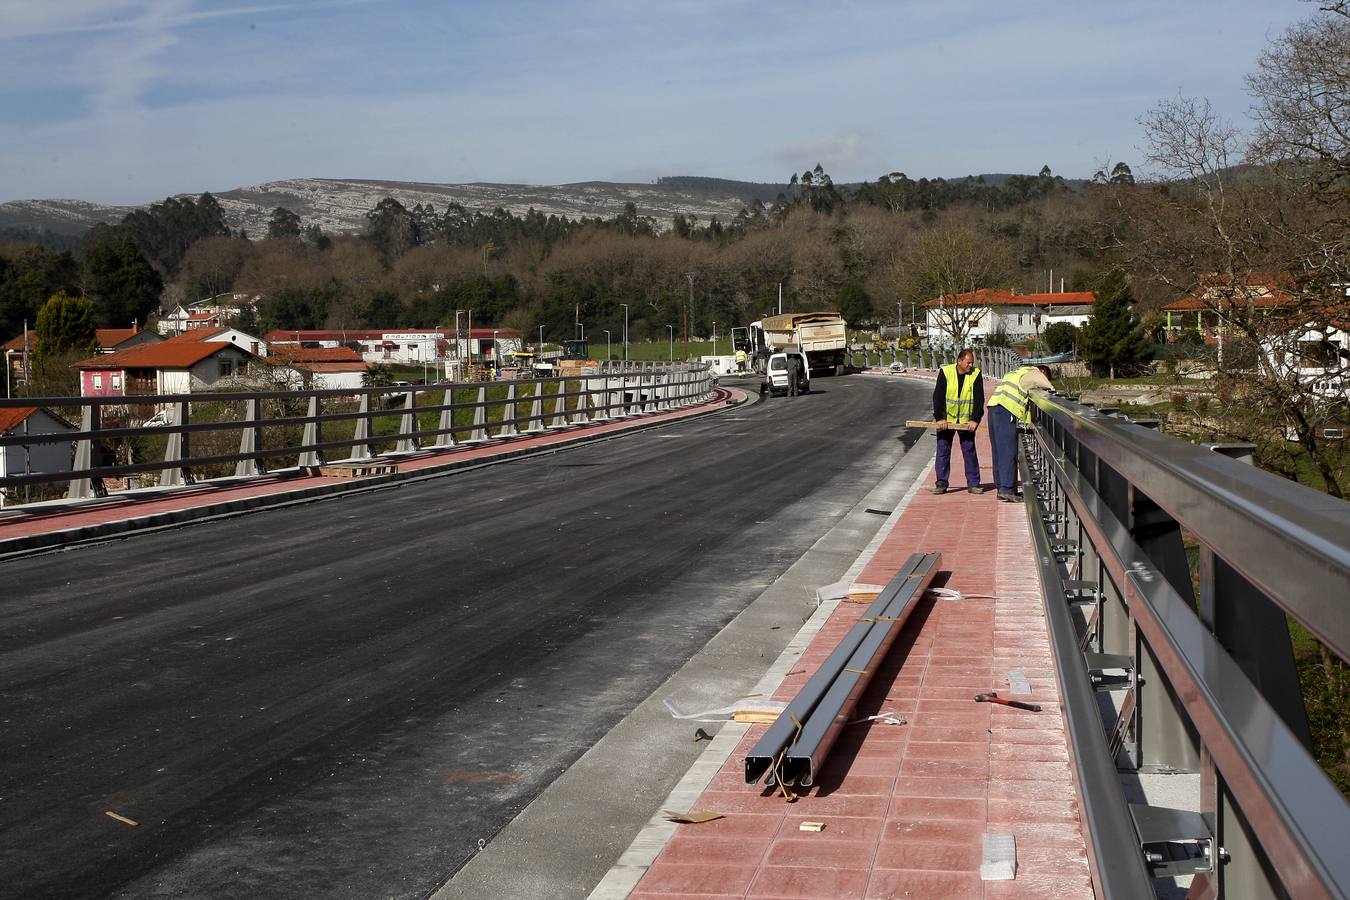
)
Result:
{"points": [[740, 361], [958, 397], [1010, 404]]}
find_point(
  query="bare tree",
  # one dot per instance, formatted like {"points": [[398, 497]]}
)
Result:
{"points": [[1245, 246], [955, 266]]}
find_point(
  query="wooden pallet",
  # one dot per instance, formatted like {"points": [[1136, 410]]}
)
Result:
{"points": [[929, 423], [362, 469]]}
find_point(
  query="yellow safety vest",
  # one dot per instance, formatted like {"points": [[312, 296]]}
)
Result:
{"points": [[960, 403], [740, 356], [1010, 396]]}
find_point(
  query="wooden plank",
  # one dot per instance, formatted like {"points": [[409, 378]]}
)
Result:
{"points": [[929, 423]]}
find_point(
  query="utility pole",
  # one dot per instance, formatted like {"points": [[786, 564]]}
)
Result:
{"points": [[672, 342], [625, 331], [688, 322]]}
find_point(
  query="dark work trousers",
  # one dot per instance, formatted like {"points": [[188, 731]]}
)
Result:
{"points": [[792, 380], [968, 457], [1003, 440]]}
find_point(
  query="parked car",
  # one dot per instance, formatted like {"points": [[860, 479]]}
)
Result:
{"points": [[776, 373]]}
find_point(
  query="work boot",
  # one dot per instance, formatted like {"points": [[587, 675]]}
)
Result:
{"points": [[1007, 496], [939, 488], [977, 489]]}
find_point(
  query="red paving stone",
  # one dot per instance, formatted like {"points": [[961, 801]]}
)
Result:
{"points": [[905, 806], [21, 522]]}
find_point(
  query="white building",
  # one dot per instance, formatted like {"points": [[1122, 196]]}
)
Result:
{"points": [[434, 347], [986, 312]]}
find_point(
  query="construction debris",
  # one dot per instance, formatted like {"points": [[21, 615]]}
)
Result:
{"points": [[123, 819], [693, 817], [811, 826]]}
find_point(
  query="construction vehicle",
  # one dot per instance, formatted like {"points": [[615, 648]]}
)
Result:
{"points": [[576, 359], [819, 335]]}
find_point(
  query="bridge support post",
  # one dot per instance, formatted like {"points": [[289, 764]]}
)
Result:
{"points": [[84, 488], [559, 419], [310, 437], [250, 442], [361, 433], [508, 427], [177, 449], [536, 410], [446, 425], [480, 432]]}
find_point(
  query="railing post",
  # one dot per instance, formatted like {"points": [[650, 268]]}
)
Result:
{"points": [[580, 416], [559, 418], [536, 410], [250, 442], [310, 436], [361, 433], [446, 425], [176, 450], [480, 432], [86, 487], [508, 426]]}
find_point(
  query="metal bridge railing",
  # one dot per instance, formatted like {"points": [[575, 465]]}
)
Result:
{"points": [[992, 361], [467, 413], [1199, 661]]}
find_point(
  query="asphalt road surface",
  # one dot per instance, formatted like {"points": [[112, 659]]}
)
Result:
{"points": [[341, 699]]}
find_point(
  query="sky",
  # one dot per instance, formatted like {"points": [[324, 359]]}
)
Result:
{"points": [[130, 101]]}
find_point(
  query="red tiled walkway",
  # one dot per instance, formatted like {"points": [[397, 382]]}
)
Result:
{"points": [[905, 806]]}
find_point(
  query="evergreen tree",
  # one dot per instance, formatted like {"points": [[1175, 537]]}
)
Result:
{"points": [[65, 324], [854, 303], [283, 223], [1113, 336], [124, 287]]}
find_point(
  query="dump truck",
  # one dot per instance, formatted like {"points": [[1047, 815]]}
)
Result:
{"points": [[819, 335]]}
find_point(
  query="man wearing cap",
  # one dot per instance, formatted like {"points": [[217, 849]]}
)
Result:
{"points": [[1011, 404]]}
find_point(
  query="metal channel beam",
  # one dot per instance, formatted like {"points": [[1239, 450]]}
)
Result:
{"points": [[1118, 868], [803, 759], [781, 733]]}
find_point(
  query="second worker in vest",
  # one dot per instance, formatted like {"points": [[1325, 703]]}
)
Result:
{"points": [[1010, 405], [958, 397]]}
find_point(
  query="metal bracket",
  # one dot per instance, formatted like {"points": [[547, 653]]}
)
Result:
{"points": [[1173, 841], [1116, 739], [1098, 663]]}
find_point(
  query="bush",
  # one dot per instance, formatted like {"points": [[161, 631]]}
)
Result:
{"points": [[1061, 337]]}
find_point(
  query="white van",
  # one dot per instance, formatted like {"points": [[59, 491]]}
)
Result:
{"points": [[776, 374]]}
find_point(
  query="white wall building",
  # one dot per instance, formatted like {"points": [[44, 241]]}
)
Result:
{"points": [[1020, 316]]}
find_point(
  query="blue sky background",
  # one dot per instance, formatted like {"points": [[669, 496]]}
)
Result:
{"points": [[128, 101]]}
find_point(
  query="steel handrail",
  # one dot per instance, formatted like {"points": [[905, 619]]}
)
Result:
{"points": [[1289, 540]]}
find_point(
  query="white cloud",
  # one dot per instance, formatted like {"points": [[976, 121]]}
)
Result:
{"points": [[847, 152]]}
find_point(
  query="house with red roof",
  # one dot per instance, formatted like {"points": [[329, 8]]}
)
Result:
{"points": [[110, 340], [988, 311], [166, 367], [322, 368], [225, 335], [19, 459]]}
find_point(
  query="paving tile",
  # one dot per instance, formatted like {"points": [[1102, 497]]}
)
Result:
{"points": [[940, 786], [928, 809], [714, 849], [809, 883], [821, 850], [887, 884], [1039, 887], [697, 878], [962, 857]]}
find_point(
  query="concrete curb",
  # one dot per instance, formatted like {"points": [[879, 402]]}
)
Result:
{"points": [[624, 876], [50, 541]]}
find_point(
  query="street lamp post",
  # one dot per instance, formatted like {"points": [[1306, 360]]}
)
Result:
{"points": [[671, 328], [714, 353], [496, 357], [625, 331], [608, 356]]}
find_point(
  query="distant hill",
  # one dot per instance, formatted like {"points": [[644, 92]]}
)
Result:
{"points": [[339, 205]]}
